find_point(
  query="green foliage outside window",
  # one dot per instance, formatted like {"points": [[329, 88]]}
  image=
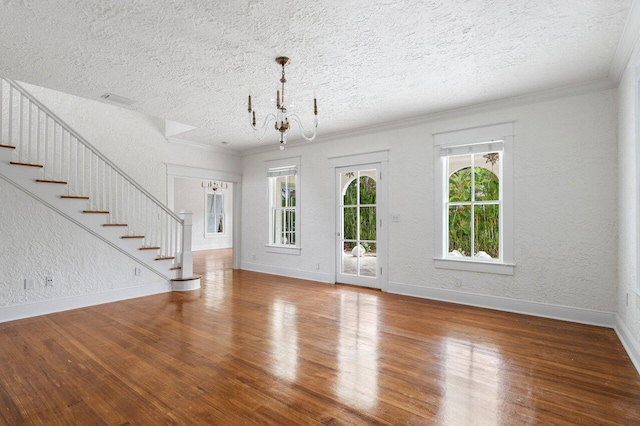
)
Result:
{"points": [[367, 214], [486, 219]]}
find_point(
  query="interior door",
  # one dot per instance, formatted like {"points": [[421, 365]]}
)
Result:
{"points": [[358, 225]]}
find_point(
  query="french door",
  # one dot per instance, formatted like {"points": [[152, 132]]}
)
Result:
{"points": [[359, 223]]}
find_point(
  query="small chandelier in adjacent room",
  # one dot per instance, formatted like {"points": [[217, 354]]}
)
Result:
{"points": [[282, 117], [214, 186]]}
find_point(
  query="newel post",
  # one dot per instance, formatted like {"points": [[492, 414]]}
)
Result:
{"points": [[186, 260]]}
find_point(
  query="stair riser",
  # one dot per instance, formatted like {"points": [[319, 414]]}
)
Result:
{"points": [[6, 155]]}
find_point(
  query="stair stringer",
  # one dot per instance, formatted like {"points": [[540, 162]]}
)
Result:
{"points": [[24, 178]]}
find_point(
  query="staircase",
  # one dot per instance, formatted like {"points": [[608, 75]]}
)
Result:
{"points": [[43, 156]]}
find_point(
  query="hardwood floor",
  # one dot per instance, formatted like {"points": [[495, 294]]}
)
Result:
{"points": [[251, 348]]}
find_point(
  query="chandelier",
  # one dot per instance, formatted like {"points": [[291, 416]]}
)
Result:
{"points": [[282, 117], [214, 186]]}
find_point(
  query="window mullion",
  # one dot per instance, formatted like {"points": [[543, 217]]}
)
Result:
{"points": [[473, 210], [445, 213]]}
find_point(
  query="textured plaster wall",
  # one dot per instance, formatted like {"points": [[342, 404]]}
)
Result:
{"points": [[564, 184], [189, 195], [628, 202], [35, 241]]}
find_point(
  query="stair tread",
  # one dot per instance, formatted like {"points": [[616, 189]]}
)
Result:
{"points": [[51, 181], [75, 197], [16, 163], [7, 146], [164, 258], [149, 248], [115, 224], [95, 211], [175, 268], [132, 236], [195, 277]]}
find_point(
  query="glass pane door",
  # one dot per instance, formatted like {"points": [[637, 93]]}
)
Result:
{"points": [[358, 226]]}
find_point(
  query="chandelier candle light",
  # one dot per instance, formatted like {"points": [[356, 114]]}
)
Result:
{"points": [[282, 117]]}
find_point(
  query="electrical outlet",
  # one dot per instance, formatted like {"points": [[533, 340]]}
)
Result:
{"points": [[457, 281], [395, 218], [49, 281], [317, 266], [137, 271], [627, 298], [29, 284], [253, 256]]}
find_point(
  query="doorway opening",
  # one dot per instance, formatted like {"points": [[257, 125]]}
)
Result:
{"points": [[214, 197]]}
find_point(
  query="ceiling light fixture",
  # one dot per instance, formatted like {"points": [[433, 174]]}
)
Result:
{"points": [[117, 99], [282, 117]]}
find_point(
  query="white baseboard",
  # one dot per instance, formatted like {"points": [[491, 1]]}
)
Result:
{"points": [[28, 310], [565, 313], [293, 273], [631, 345]]}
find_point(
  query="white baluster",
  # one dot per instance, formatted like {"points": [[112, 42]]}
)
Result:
{"points": [[170, 235], [46, 145], [61, 154], [159, 225], [132, 225], [1, 110], [116, 193], [29, 120], [134, 209], [145, 225], [38, 128], [20, 149], [76, 187], [11, 141], [103, 186], [53, 152], [165, 236], [68, 159], [110, 196]]}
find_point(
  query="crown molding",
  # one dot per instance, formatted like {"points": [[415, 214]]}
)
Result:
{"points": [[628, 44], [180, 170], [204, 146], [531, 98]]}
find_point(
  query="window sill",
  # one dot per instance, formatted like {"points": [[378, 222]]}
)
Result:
{"points": [[294, 251], [475, 266], [210, 236]]}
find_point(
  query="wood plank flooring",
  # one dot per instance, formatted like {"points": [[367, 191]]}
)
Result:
{"points": [[250, 348]]}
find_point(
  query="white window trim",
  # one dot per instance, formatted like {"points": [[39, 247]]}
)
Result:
{"points": [[277, 248], [210, 235], [636, 288], [503, 132]]}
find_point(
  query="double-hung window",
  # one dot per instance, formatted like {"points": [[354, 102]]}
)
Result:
{"points": [[473, 202], [284, 217], [214, 213]]}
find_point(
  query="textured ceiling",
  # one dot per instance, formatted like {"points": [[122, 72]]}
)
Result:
{"points": [[370, 61]]}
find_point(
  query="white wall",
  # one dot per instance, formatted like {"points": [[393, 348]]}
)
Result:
{"points": [[189, 195], [35, 242], [628, 203], [565, 196]]}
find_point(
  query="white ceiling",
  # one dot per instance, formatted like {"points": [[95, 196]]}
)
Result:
{"points": [[370, 61]]}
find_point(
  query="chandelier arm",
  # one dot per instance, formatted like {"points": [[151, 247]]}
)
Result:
{"points": [[303, 131], [263, 127]]}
